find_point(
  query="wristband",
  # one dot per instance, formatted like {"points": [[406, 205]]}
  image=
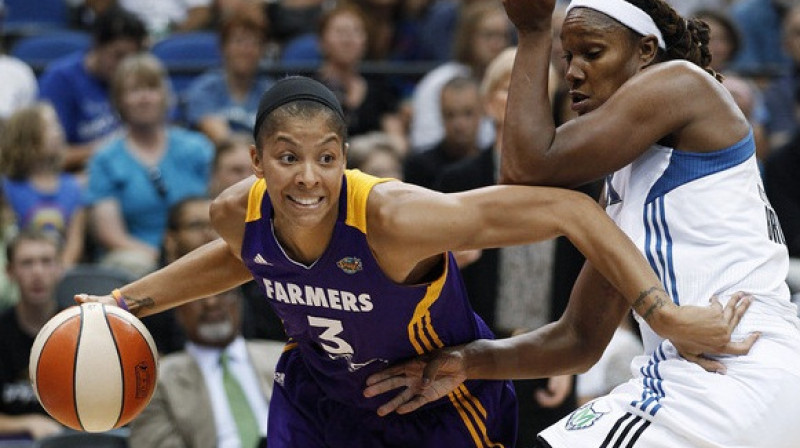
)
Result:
{"points": [[117, 295]]}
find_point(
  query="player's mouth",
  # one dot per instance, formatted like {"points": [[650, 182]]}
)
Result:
{"points": [[580, 102], [306, 201]]}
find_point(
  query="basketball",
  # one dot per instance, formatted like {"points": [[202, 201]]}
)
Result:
{"points": [[93, 367]]}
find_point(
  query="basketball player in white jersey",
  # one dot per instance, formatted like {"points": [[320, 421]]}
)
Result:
{"points": [[682, 181]]}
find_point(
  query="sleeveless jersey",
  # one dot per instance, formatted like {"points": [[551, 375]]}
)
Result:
{"points": [[346, 317], [706, 227]]}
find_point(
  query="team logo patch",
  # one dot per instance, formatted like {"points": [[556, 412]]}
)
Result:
{"points": [[583, 417], [350, 265]]}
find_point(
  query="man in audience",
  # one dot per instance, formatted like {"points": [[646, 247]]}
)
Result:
{"points": [[78, 84], [193, 405], [462, 110], [33, 264]]}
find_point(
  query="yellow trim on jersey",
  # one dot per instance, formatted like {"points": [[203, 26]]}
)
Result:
{"points": [[473, 414], [358, 187], [420, 330], [257, 192], [425, 339]]}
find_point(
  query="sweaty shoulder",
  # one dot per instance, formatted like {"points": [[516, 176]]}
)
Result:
{"points": [[229, 212], [678, 74], [712, 119]]}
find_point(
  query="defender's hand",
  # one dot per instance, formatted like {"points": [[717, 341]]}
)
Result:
{"points": [[424, 379], [702, 332]]}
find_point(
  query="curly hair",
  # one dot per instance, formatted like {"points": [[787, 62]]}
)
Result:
{"points": [[686, 39], [22, 141]]}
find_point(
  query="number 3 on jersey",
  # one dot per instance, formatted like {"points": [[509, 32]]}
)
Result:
{"points": [[330, 340]]}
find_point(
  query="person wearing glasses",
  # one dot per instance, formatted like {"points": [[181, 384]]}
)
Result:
{"points": [[135, 179]]}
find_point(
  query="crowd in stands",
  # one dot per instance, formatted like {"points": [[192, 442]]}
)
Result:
{"points": [[110, 157]]}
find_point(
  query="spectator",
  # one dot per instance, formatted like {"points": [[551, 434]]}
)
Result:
{"points": [[725, 39], [761, 24], [33, 264], [231, 163], [191, 408], [376, 153], [781, 95], [369, 104], [461, 112], [77, 84], [483, 32], [294, 18], [225, 100], [136, 178], [39, 194]]}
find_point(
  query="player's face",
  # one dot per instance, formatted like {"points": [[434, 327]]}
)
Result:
{"points": [[303, 163], [36, 270], [600, 56]]}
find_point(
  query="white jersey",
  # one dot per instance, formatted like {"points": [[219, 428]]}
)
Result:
{"points": [[706, 227]]}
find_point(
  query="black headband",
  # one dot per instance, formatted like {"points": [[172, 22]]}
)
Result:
{"points": [[290, 89]]}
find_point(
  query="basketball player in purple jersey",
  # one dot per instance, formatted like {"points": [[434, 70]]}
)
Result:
{"points": [[359, 271]]}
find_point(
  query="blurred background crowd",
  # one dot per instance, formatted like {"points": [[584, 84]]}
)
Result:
{"points": [[120, 120]]}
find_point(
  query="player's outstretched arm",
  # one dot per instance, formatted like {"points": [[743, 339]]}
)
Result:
{"points": [[207, 270]]}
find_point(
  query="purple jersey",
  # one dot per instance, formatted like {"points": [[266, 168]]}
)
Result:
{"points": [[348, 319]]}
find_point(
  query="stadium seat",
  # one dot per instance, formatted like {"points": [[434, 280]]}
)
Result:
{"points": [[40, 49], [25, 17], [90, 279], [186, 55], [303, 48]]}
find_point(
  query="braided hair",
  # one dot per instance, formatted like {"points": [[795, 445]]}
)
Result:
{"points": [[686, 39]]}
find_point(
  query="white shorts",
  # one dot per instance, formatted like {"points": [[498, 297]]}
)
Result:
{"points": [[751, 406]]}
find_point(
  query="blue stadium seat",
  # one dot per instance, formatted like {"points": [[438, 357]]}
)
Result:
{"points": [[186, 55], [38, 50], [303, 48], [24, 17]]}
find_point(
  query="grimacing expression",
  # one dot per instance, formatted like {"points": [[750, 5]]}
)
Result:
{"points": [[600, 54], [303, 162]]}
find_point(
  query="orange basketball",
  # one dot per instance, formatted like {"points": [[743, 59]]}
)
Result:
{"points": [[93, 367]]}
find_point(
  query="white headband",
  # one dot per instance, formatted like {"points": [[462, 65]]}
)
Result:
{"points": [[624, 13]]}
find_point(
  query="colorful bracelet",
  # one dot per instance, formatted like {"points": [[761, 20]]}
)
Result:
{"points": [[117, 295]]}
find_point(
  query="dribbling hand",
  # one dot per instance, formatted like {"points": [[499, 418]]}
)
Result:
{"points": [[86, 298]]}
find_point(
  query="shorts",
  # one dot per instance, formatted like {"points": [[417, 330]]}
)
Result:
{"points": [[683, 406], [301, 416]]}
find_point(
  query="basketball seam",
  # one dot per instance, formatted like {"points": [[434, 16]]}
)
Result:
{"points": [[75, 373], [121, 367]]}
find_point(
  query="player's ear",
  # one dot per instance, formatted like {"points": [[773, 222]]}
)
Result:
{"points": [[255, 161], [648, 50], [345, 151]]}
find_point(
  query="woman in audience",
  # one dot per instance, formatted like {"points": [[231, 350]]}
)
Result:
{"points": [[136, 178], [368, 104], [225, 100]]}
